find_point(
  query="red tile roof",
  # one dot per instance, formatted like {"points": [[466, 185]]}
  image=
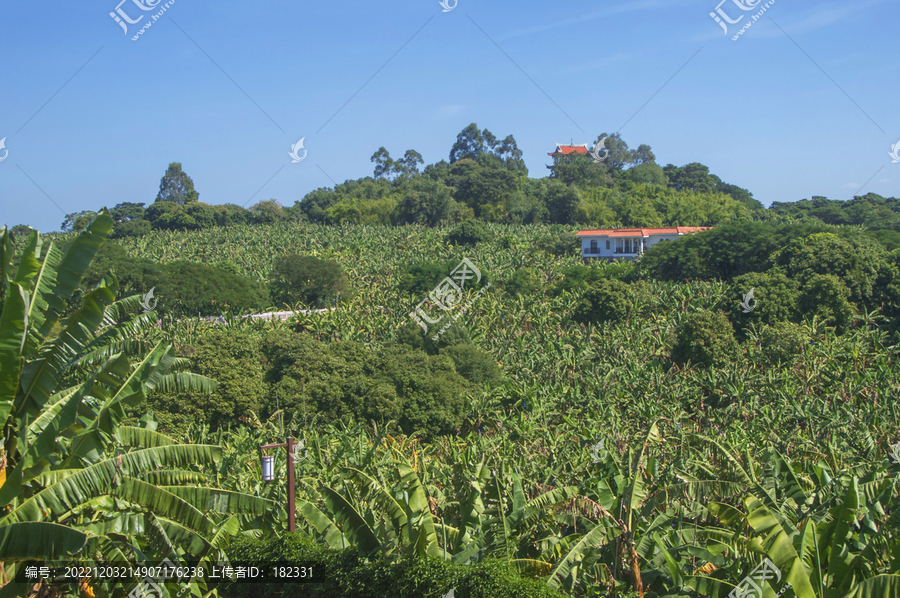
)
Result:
{"points": [[565, 150], [640, 232]]}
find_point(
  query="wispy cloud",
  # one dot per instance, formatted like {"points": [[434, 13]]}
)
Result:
{"points": [[451, 109], [597, 65], [804, 21], [592, 16], [823, 15]]}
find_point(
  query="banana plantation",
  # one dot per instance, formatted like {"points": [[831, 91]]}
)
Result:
{"points": [[596, 466]]}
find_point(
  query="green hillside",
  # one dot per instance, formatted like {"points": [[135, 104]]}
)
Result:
{"points": [[603, 429]]}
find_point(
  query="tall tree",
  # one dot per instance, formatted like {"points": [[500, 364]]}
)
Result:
{"points": [[469, 144], [176, 186], [425, 202], [581, 170], [487, 150], [410, 162], [619, 155], [642, 155], [76, 221], [384, 165]]}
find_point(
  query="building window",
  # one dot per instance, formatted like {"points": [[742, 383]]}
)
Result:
{"points": [[607, 244], [593, 247]]}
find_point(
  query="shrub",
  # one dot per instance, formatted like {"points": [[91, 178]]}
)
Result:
{"points": [[193, 289], [705, 338], [783, 341], [308, 279], [411, 334], [181, 288], [203, 214], [607, 301], [132, 228], [267, 212], [470, 232], [775, 297], [421, 278], [825, 296], [20, 230], [474, 364], [524, 281], [562, 244], [230, 214], [328, 382], [344, 574], [856, 261], [432, 394], [576, 278], [230, 357]]}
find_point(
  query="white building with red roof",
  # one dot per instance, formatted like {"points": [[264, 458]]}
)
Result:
{"points": [[628, 243]]}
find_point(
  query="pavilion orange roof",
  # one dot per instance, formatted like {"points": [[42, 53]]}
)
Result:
{"points": [[565, 150]]}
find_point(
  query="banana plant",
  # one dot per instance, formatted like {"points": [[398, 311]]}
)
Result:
{"points": [[76, 484]]}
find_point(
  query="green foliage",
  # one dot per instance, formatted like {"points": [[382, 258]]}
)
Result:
{"points": [[76, 221], [871, 210], [195, 289], [564, 244], [726, 251], [775, 299], [311, 280], [594, 209], [825, 296], [474, 364], [647, 173], [386, 167], [410, 333], [696, 177], [490, 192], [421, 278], [469, 233], [485, 149], [267, 212], [856, 261], [577, 278], [525, 282], [176, 186], [782, 342], [562, 201], [705, 338], [520, 482], [604, 302], [344, 574], [181, 288], [358, 211], [74, 483], [653, 205], [422, 392], [230, 214], [131, 229], [425, 202], [20, 230], [234, 360], [127, 212]]}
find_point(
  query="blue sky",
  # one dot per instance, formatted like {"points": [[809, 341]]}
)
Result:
{"points": [[805, 102]]}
